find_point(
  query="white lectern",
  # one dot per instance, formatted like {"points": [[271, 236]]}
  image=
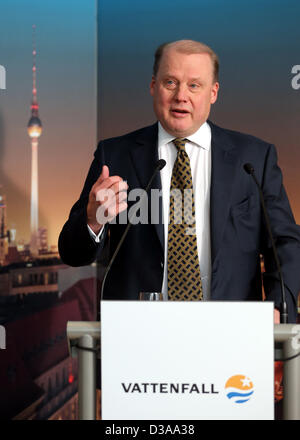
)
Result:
{"points": [[84, 338], [183, 360]]}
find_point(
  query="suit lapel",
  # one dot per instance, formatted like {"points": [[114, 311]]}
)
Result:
{"points": [[224, 166], [144, 155]]}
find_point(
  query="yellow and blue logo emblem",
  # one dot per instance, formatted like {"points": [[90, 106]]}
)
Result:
{"points": [[239, 388]]}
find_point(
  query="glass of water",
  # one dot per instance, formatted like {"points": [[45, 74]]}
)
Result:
{"points": [[151, 296]]}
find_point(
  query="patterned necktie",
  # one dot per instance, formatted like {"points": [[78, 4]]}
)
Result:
{"points": [[184, 281]]}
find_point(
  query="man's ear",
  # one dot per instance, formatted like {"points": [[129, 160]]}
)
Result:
{"points": [[214, 92], [152, 85]]}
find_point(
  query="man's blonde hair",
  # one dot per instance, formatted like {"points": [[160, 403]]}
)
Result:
{"points": [[187, 47]]}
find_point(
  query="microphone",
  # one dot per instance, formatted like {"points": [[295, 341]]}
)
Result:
{"points": [[159, 166], [248, 167]]}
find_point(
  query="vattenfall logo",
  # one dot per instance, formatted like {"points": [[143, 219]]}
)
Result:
{"points": [[2, 78], [239, 388]]}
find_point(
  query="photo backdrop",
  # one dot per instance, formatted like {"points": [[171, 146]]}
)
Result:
{"points": [[38, 294], [257, 42], [94, 63], [66, 91]]}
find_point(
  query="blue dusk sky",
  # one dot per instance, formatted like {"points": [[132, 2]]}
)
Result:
{"points": [[66, 92], [257, 42]]}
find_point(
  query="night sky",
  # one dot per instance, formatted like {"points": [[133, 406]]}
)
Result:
{"points": [[257, 42], [66, 92]]}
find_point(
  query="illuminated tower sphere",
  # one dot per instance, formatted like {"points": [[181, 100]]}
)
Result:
{"points": [[34, 129]]}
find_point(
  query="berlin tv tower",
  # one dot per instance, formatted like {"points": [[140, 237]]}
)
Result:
{"points": [[34, 129]]}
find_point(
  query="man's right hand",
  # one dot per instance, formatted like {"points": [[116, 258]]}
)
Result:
{"points": [[107, 198]]}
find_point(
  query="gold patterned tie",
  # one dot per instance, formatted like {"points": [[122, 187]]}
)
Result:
{"points": [[184, 280]]}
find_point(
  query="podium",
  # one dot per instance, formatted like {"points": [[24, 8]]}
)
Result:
{"points": [[186, 360]]}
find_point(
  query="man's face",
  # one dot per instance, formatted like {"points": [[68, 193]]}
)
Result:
{"points": [[183, 91]]}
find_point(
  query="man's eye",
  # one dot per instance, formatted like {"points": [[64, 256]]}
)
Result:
{"points": [[194, 86], [170, 83]]}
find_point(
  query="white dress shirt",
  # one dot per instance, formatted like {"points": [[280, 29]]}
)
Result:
{"points": [[199, 151]]}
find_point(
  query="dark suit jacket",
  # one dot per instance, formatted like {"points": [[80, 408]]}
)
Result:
{"points": [[238, 233]]}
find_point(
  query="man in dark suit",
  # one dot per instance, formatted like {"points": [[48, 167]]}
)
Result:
{"points": [[229, 227]]}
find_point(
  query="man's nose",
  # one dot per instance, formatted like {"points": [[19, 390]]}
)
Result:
{"points": [[181, 93]]}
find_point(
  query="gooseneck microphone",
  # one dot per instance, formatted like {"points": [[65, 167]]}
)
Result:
{"points": [[248, 167], [159, 166]]}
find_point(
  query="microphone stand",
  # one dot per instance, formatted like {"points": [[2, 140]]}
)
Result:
{"points": [[283, 309], [159, 166]]}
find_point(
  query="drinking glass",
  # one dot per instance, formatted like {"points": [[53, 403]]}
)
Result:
{"points": [[151, 296]]}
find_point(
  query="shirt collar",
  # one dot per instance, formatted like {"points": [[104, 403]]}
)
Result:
{"points": [[202, 137]]}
